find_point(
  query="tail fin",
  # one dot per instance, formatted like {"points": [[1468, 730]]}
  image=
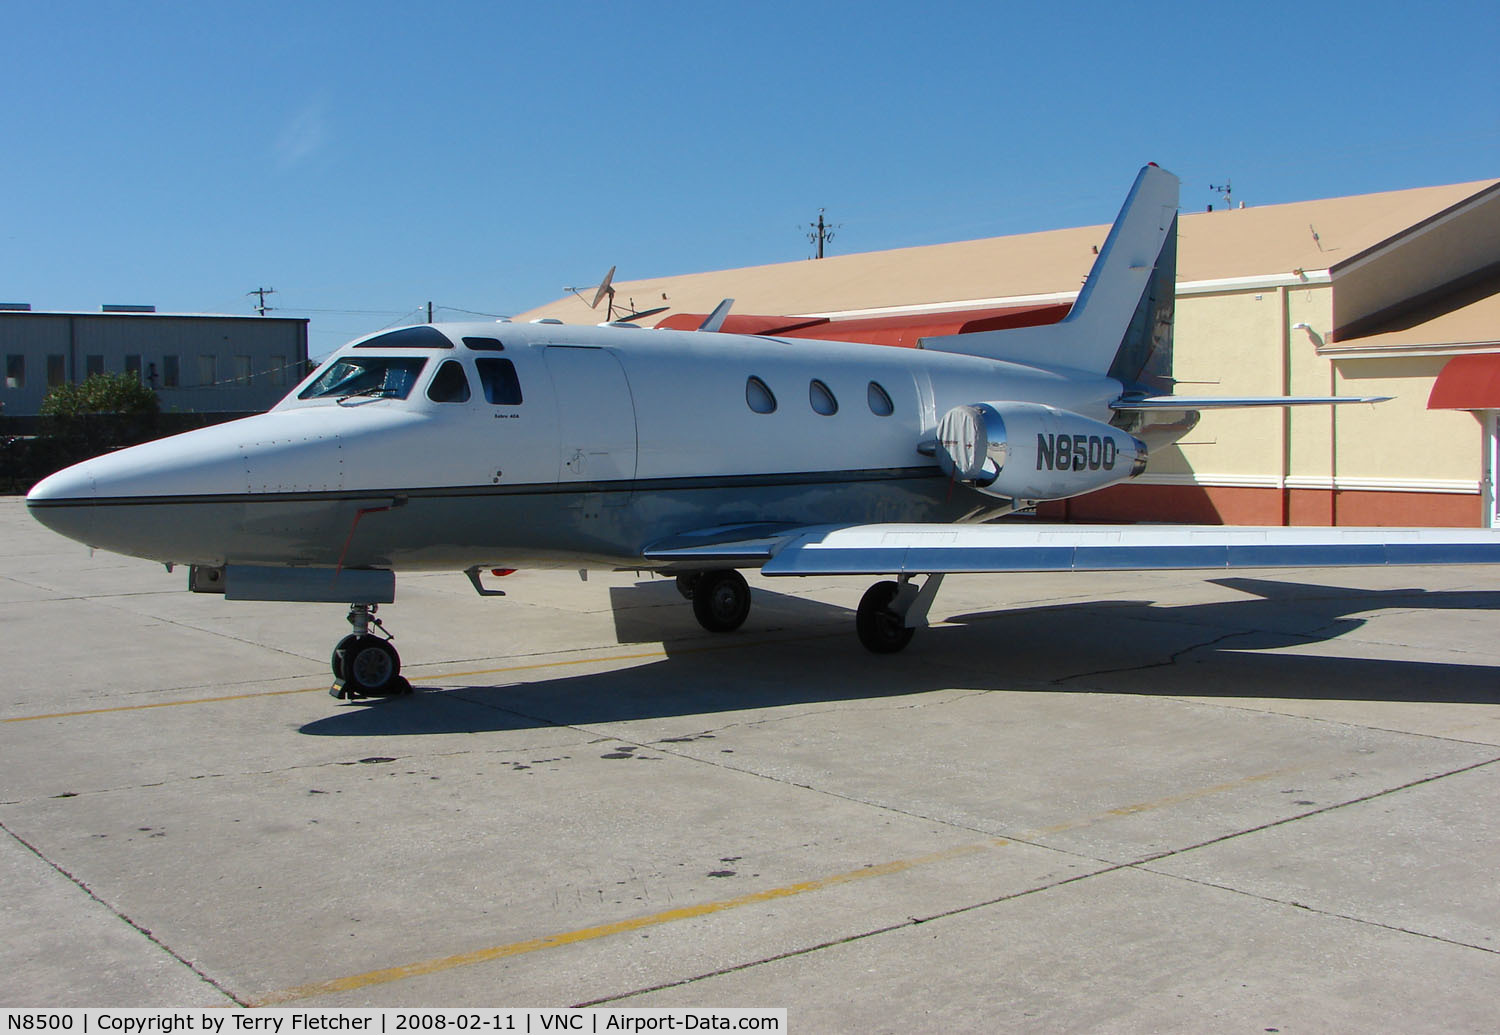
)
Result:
{"points": [[1121, 324]]}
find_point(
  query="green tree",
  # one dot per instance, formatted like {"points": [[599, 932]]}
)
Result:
{"points": [[101, 393]]}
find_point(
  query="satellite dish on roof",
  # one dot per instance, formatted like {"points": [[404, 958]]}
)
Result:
{"points": [[605, 288]]}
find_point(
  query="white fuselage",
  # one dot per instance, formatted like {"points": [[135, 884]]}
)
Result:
{"points": [[616, 438]]}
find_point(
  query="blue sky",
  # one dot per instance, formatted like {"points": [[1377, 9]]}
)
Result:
{"points": [[366, 158]]}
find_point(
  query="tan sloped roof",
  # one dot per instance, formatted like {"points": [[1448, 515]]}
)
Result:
{"points": [[1249, 242], [1469, 316]]}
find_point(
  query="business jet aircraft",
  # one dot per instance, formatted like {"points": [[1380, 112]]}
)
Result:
{"points": [[493, 446]]}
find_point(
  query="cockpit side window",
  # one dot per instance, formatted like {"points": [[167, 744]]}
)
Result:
{"points": [[501, 385], [450, 384], [384, 377]]}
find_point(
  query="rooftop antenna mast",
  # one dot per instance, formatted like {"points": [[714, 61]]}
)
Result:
{"points": [[262, 292], [821, 232], [1227, 190]]}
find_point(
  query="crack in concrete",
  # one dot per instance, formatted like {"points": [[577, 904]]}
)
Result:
{"points": [[1141, 865], [1168, 662], [144, 932]]}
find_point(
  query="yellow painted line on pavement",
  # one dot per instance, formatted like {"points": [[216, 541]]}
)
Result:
{"points": [[586, 934], [323, 689], [1161, 803], [161, 704], [434, 677]]}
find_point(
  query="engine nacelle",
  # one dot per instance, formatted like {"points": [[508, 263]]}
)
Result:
{"points": [[1027, 451]]}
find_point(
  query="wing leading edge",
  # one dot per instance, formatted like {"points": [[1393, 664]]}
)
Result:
{"points": [[896, 549]]}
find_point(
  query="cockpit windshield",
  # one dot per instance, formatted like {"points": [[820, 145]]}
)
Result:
{"points": [[382, 377]]}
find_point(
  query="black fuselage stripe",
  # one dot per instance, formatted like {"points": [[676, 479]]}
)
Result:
{"points": [[741, 481]]}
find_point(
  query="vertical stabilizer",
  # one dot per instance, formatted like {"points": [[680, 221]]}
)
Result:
{"points": [[1121, 323]]}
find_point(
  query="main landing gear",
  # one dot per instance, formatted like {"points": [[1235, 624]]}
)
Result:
{"points": [[364, 665], [888, 615], [890, 612], [721, 598]]}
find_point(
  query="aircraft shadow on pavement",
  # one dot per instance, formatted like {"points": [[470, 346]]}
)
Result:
{"points": [[655, 612], [1233, 648]]}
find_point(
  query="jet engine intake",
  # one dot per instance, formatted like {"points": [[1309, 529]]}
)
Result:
{"points": [[1028, 451]]}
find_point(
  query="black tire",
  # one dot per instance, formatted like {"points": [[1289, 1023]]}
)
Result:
{"points": [[340, 652], [371, 667], [687, 584], [721, 600], [880, 629]]}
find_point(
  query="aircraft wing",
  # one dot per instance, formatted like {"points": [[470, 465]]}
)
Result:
{"points": [[894, 549]]}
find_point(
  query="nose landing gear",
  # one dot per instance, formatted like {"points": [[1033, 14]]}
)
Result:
{"points": [[364, 665]]}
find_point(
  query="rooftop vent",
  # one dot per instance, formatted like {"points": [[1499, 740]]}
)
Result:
{"points": [[127, 308]]}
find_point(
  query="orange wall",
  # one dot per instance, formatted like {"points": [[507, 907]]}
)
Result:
{"points": [[1225, 505]]}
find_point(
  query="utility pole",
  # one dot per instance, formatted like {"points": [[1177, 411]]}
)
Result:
{"points": [[822, 232], [262, 292]]}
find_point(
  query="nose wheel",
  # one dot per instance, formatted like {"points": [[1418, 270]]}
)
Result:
{"points": [[366, 665]]}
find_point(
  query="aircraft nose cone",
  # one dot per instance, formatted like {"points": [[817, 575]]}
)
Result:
{"points": [[60, 501], [71, 483]]}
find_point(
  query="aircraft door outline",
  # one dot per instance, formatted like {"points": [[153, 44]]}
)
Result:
{"points": [[597, 443]]}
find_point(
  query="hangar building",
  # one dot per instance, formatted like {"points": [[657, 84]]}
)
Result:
{"points": [[1392, 294], [221, 365]]}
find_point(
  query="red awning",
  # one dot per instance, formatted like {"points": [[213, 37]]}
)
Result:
{"points": [[1468, 383]]}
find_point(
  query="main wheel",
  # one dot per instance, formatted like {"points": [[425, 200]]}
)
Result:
{"points": [[880, 628], [721, 600], [368, 666], [686, 584]]}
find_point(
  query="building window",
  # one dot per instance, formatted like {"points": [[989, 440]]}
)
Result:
{"points": [[880, 401], [822, 399], [208, 370], [57, 370], [15, 371], [278, 371], [170, 374], [133, 366], [242, 371], [759, 397], [93, 365]]}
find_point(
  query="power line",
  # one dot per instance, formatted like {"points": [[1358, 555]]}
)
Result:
{"points": [[347, 312], [471, 312]]}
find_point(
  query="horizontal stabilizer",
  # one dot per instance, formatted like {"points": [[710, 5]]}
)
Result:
{"points": [[1229, 402]]}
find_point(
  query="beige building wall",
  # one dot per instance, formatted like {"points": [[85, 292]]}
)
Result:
{"points": [[1366, 463], [1247, 281], [1229, 344]]}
